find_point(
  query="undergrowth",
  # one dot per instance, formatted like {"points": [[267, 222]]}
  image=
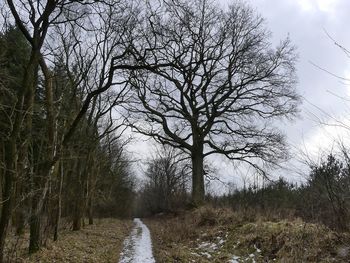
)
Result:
{"points": [[222, 235]]}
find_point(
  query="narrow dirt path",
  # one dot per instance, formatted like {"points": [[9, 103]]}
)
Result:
{"points": [[138, 245]]}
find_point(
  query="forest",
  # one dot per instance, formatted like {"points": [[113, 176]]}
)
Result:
{"points": [[82, 81]]}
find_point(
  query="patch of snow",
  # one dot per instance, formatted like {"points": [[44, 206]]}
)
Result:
{"points": [[203, 245], [210, 247], [207, 248], [206, 254], [138, 245], [257, 249], [343, 251], [221, 241], [234, 259]]}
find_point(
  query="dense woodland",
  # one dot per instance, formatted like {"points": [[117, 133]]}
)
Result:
{"points": [[76, 77]]}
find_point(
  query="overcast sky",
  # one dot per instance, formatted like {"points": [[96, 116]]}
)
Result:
{"points": [[306, 23]]}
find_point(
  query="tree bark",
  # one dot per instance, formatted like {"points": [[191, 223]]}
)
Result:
{"points": [[197, 178], [90, 207], [19, 217], [79, 197], [19, 221], [59, 203], [34, 240], [77, 220], [79, 208]]}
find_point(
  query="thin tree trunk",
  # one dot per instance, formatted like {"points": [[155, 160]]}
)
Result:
{"points": [[79, 198], [91, 217], [59, 204], [48, 168], [18, 218], [91, 190]]}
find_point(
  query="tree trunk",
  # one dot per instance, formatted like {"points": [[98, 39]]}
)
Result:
{"points": [[79, 210], [59, 203], [77, 221], [19, 220], [34, 219], [34, 241], [94, 171], [90, 207], [79, 196], [40, 184], [197, 178], [9, 176], [19, 217]]}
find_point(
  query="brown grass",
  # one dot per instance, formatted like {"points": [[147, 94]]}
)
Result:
{"points": [[97, 243], [220, 235]]}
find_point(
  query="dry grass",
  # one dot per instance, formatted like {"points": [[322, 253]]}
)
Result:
{"points": [[220, 235], [97, 243]]}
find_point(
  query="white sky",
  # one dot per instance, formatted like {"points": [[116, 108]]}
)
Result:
{"points": [[306, 23]]}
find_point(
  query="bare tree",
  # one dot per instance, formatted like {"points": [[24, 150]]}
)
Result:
{"points": [[328, 187], [208, 81], [34, 28], [167, 181], [85, 52]]}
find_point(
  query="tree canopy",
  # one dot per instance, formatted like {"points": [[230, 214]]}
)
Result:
{"points": [[208, 81]]}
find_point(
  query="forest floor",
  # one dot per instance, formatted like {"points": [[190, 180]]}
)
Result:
{"points": [[220, 235], [98, 243], [203, 235]]}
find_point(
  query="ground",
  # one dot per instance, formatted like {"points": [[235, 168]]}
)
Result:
{"points": [[220, 235], [203, 235], [98, 243]]}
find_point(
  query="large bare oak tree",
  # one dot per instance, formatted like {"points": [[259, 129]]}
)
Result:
{"points": [[208, 80]]}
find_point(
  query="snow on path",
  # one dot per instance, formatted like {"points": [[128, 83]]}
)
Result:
{"points": [[138, 245]]}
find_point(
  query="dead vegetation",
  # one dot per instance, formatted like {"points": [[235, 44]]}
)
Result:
{"points": [[220, 235], [98, 243]]}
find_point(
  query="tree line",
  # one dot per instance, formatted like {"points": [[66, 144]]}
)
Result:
{"points": [[322, 198], [61, 153]]}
